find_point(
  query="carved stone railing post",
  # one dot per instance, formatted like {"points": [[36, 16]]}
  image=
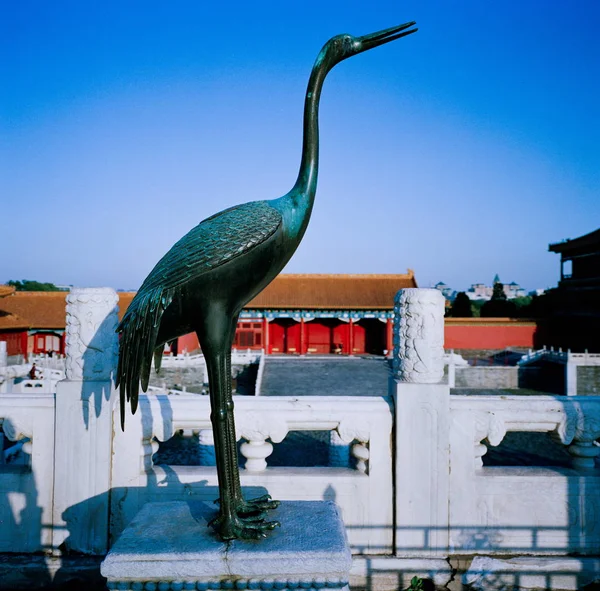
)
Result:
{"points": [[3, 354], [84, 422], [422, 424]]}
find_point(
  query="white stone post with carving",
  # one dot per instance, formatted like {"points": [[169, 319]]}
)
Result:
{"points": [[422, 424], [84, 422]]}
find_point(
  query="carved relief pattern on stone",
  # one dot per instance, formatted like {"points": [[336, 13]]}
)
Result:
{"points": [[256, 426], [92, 343], [489, 427], [419, 335], [352, 427], [16, 428]]}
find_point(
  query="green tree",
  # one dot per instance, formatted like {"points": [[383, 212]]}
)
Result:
{"points": [[539, 306], [461, 307], [499, 306], [28, 285], [476, 306], [498, 292]]}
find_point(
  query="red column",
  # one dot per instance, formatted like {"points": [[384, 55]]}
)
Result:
{"points": [[351, 337], [266, 335], [302, 337], [24, 341], [389, 342]]}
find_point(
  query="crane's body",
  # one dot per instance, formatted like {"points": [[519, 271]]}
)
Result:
{"points": [[207, 277]]}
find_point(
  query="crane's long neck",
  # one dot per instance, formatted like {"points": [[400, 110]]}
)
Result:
{"points": [[306, 183]]}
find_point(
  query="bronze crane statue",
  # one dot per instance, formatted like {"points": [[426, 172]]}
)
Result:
{"points": [[206, 279]]}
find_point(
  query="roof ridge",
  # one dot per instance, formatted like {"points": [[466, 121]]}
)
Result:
{"points": [[41, 293], [409, 274]]}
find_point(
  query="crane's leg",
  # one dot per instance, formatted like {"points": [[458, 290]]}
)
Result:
{"points": [[216, 339], [252, 508]]}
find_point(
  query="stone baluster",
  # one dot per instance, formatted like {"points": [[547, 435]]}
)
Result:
{"points": [[584, 452], [206, 448], [148, 449], [256, 427], [339, 451], [583, 448], [361, 452], [84, 425], [256, 451], [422, 408]]}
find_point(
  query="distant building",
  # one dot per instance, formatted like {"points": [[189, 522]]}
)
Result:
{"points": [[514, 290], [480, 291], [447, 292], [575, 321]]}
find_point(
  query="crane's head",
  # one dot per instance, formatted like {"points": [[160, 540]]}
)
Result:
{"points": [[341, 47]]}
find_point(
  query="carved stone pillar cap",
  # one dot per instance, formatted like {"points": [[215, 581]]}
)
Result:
{"points": [[92, 343], [77, 292], [419, 335], [419, 294]]}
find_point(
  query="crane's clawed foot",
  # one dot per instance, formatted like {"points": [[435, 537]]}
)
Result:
{"points": [[256, 506], [234, 527]]}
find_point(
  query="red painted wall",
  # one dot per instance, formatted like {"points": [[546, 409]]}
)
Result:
{"points": [[284, 336], [318, 337], [16, 342], [488, 333], [292, 337], [359, 336], [322, 334], [188, 343]]}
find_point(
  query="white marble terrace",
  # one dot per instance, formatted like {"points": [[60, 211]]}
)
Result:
{"points": [[417, 489]]}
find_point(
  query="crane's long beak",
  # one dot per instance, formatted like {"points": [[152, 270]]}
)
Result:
{"points": [[381, 37]]}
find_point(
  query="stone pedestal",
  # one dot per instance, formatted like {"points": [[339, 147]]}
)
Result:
{"points": [[168, 546]]}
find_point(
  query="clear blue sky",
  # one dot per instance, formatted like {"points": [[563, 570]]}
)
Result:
{"points": [[461, 151]]}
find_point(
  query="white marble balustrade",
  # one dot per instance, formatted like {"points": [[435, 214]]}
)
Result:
{"points": [[524, 509], [238, 357], [365, 494], [419, 487], [27, 490]]}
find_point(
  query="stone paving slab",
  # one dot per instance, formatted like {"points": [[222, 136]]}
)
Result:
{"points": [[333, 376]]}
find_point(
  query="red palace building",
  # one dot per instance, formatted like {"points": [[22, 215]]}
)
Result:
{"points": [[32, 321], [296, 314], [319, 314]]}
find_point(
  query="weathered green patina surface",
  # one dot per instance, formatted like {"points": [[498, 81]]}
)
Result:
{"points": [[207, 277]]}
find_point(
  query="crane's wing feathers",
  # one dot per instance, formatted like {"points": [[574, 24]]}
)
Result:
{"points": [[212, 243]]}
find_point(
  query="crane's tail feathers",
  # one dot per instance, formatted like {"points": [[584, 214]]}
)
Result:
{"points": [[158, 355], [139, 332]]}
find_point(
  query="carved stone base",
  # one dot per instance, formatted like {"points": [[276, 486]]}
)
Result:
{"points": [[168, 546]]}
